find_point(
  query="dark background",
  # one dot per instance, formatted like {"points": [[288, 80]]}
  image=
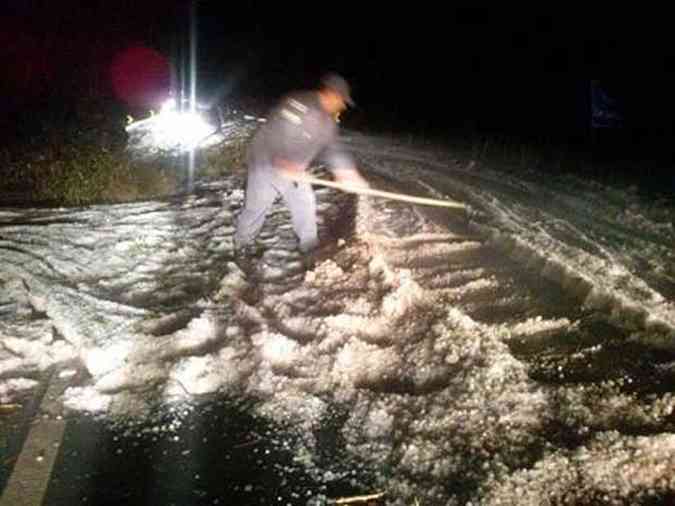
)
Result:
{"points": [[418, 67]]}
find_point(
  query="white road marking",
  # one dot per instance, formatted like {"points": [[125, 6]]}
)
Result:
{"points": [[28, 483]]}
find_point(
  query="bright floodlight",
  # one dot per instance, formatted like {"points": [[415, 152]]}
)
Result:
{"points": [[173, 129], [169, 105], [182, 129]]}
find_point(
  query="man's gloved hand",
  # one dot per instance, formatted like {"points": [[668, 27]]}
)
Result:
{"points": [[351, 177], [289, 170]]}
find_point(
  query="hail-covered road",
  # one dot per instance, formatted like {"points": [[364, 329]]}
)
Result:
{"points": [[520, 353]]}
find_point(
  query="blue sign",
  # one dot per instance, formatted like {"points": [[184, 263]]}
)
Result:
{"points": [[605, 109]]}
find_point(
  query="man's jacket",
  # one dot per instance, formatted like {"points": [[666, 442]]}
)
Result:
{"points": [[297, 131]]}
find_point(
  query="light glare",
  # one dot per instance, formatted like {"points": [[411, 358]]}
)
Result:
{"points": [[173, 129]]}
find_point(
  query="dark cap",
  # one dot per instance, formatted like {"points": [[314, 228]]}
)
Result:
{"points": [[338, 84]]}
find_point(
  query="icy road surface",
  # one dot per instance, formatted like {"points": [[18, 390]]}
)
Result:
{"points": [[523, 356]]}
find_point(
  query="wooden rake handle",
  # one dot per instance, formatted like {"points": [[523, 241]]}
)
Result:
{"points": [[351, 188]]}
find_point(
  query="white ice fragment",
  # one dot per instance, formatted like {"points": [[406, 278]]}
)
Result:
{"points": [[86, 399], [195, 376], [199, 332], [100, 361], [379, 423], [232, 331], [278, 350], [408, 295], [10, 388], [363, 364]]}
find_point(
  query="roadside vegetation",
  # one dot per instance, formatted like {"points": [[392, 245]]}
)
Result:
{"points": [[82, 160]]}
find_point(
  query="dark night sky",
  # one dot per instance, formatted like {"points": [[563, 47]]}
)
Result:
{"points": [[502, 68]]}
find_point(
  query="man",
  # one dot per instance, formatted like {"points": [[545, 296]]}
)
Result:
{"points": [[301, 128]]}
